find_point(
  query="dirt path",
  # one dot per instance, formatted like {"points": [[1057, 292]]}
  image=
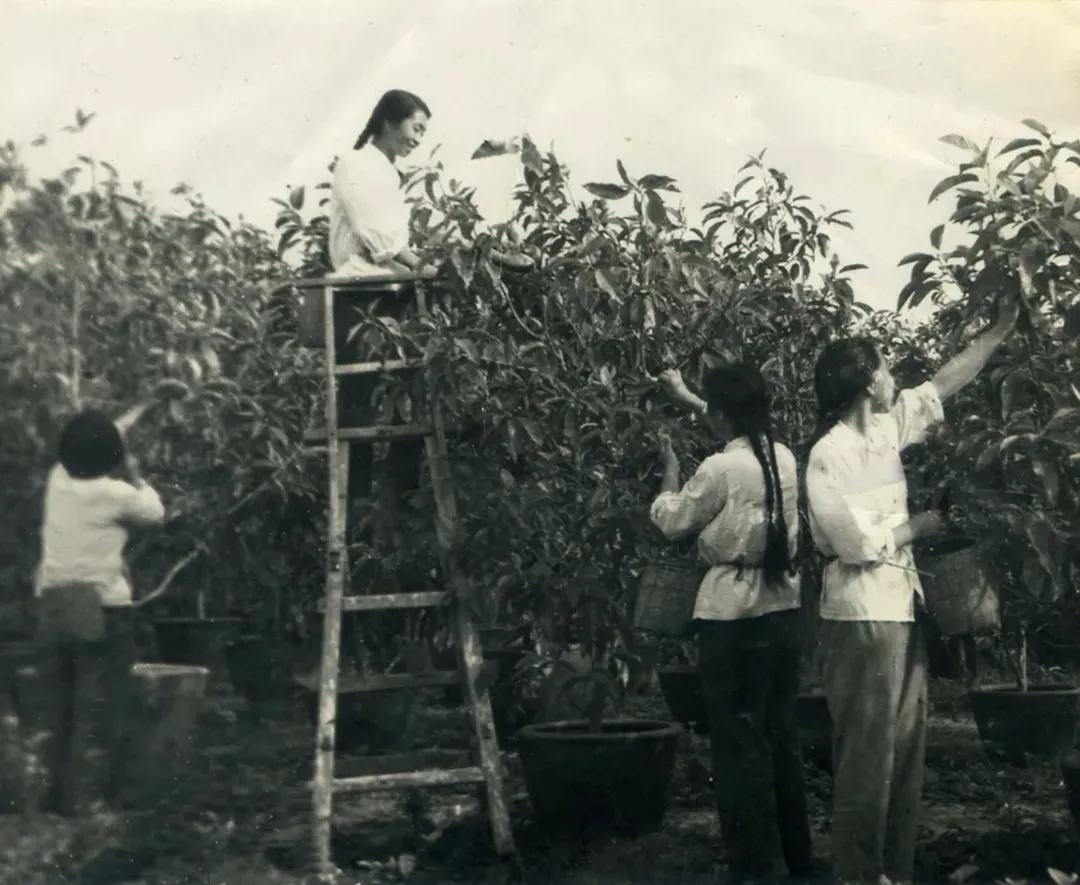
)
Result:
{"points": [[242, 819]]}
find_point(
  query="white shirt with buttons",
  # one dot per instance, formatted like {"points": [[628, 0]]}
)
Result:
{"points": [[857, 496]]}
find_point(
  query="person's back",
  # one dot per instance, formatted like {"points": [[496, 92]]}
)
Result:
{"points": [[85, 528], [84, 611]]}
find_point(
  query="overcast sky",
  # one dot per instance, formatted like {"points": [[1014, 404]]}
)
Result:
{"points": [[239, 98]]}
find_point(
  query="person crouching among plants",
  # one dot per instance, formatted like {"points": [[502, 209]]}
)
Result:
{"points": [[93, 496], [742, 502], [873, 654]]}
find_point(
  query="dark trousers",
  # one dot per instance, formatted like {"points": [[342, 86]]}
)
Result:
{"points": [[750, 680], [81, 705], [356, 392]]}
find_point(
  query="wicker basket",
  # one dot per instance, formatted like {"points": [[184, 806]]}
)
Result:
{"points": [[666, 596], [958, 590]]}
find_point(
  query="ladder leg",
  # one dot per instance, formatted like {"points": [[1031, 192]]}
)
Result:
{"points": [[477, 701], [337, 570]]}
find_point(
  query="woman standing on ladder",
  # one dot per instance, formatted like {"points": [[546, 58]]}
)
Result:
{"points": [[742, 502], [369, 218], [369, 237]]}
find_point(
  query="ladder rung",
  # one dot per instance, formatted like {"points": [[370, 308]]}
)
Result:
{"points": [[376, 283], [372, 434], [385, 681], [435, 777], [397, 763], [373, 367], [389, 601]]}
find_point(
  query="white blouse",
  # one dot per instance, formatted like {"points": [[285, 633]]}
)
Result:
{"points": [[84, 532], [369, 218], [857, 496], [725, 502]]}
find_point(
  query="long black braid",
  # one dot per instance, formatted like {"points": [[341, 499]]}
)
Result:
{"points": [[737, 391]]}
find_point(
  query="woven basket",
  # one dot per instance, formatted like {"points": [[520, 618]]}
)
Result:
{"points": [[666, 596], [958, 590]]}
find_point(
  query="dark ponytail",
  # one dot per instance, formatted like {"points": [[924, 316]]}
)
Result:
{"points": [[737, 391], [394, 106], [844, 371]]}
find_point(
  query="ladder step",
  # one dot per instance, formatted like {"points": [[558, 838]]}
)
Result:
{"points": [[377, 283], [384, 681], [398, 763], [379, 433], [434, 777], [390, 601], [374, 367]]}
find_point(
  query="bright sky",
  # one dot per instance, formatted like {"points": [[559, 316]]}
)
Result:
{"points": [[241, 97]]}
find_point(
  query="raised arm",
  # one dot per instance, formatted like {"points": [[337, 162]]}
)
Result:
{"points": [[961, 370], [680, 512], [672, 379]]}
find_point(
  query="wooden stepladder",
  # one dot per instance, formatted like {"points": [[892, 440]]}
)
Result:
{"points": [[485, 770]]}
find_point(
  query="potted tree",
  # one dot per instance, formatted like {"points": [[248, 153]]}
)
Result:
{"points": [[1015, 228]]}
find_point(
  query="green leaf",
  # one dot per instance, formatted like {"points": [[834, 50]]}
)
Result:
{"points": [[1018, 143], [951, 182], [743, 182], [606, 191], [848, 268], [468, 348], [1041, 536], [622, 172], [915, 257], [296, 198], [1037, 126], [1047, 472], [655, 210], [658, 182], [530, 156], [935, 236], [961, 142], [603, 280]]}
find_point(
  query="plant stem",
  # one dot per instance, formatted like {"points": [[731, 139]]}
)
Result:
{"points": [[178, 567], [76, 352], [1023, 668]]}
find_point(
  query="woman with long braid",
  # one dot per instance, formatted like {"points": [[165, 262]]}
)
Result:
{"points": [[873, 654], [742, 502]]}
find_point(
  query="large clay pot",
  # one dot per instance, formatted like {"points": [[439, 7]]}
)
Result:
{"points": [[1014, 724], [258, 669], [199, 642], [615, 780]]}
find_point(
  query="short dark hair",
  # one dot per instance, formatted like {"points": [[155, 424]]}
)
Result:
{"points": [[394, 106], [91, 445]]}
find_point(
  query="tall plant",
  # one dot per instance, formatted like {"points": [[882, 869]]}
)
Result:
{"points": [[1014, 227], [106, 302]]}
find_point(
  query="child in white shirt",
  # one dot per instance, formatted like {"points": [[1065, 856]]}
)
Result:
{"points": [[93, 497]]}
